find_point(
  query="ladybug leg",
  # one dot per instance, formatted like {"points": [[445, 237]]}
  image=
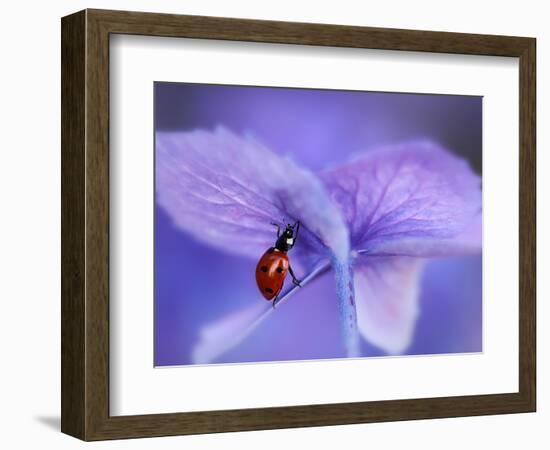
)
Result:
{"points": [[275, 301], [295, 280], [278, 228]]}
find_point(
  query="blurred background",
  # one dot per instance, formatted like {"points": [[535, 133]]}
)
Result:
{"points": [[196, 285]]}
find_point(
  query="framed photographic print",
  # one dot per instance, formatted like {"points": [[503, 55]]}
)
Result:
{"points": [[270, 224]]}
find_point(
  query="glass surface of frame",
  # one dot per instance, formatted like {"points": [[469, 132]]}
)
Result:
{"points": [[135, 195], [399, 170]]}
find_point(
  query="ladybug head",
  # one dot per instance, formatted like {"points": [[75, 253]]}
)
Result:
{"points": [[289, 230], [286, 239]]}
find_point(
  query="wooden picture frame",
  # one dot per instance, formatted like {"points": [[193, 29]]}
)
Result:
{"points": [[85, 224]]}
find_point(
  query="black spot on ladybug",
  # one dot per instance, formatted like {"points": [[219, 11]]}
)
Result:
{"points": [[279, 269], [269, 290], [263, 268]]}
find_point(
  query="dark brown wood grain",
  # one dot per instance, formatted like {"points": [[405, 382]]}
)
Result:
{"points": [[73, 225], [85, 224], [527, 223]]}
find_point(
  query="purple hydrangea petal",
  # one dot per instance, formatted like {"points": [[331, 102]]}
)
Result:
{"points": [[225, 190], [410, 199], [466, 243], [387, 291]]}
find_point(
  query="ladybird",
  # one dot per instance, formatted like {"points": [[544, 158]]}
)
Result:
{"points": [[274, 264]]}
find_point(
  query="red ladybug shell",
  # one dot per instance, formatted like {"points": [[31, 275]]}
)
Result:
{"points": [[271, 272]]}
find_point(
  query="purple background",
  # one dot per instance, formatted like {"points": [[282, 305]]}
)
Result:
{"points": [[195, 284]]}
